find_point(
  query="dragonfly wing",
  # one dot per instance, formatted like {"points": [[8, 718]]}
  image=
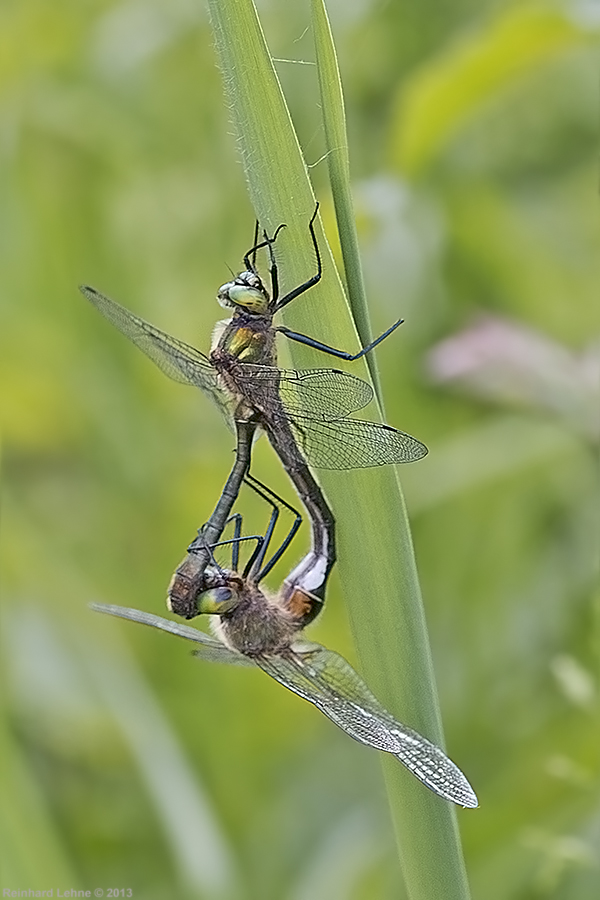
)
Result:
{"points": [[178, 360], [353, 444], [222, 654], [313, 393], [325, 679], [210, 648]]}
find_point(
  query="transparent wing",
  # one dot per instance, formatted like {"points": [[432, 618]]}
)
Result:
{"points": [[325, 679], [210, 649], [311, 393], [175, 358], [315, 400], [219, 653], [354, 444]]}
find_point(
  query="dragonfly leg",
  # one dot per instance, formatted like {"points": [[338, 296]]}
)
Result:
{"points": [[250, 256], [273, 271], [256, 563], [237, 533], [252, 266], [200, 543], [256, 560], [235, 542], [325, 348], [311, 281], [200, 539]]}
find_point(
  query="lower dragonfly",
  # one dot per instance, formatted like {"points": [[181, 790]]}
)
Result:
{"points": [[255, 628], [304, 413]]}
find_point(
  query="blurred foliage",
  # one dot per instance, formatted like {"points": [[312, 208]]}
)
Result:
{"points": [[473, 140]]}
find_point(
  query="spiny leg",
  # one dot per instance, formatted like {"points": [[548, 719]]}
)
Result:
{"points": [[326, 348], [235, 541], [252, 266], [311, 282], [291, 295], [271, 497], [250, 258]]}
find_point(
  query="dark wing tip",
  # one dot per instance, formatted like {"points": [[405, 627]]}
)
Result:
{"points": [[89, 292]]}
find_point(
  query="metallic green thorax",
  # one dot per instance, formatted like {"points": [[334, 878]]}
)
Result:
{"points": [[248, 338]]}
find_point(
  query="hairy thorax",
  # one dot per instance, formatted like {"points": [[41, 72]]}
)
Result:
{"points": [[257, 624]]}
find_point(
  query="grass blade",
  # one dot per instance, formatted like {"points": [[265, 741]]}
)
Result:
{"points": [[377, 564], [338, 161]]}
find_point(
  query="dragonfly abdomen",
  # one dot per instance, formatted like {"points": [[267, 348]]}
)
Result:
{"points": [[312, 572]]}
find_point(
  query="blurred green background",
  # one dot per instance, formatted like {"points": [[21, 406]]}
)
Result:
{"points": [[473, 134]]}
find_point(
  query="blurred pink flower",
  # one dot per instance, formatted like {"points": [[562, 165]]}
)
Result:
{"points": [[510, 364]]}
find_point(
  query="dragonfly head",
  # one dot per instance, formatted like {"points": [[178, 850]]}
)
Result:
{"points": [[245, 292], [217, 601], [218, 598]]}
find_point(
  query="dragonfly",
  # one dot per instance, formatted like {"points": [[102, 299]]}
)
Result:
{"points": [[305, 413], [256, 629]]}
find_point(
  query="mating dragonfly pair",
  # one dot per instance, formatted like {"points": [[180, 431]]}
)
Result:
{"points": [[305, 415]]}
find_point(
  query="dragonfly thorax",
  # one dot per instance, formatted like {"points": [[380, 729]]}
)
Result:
{"points": [[250, 621], [246, 338], [246, 291]]}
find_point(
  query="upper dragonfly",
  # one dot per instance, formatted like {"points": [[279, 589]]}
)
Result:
{"points": [[304, 412], [255, 628]]}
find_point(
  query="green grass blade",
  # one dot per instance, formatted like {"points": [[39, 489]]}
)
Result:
{"points": [[377, 564], [31, 846], [338, 161]]}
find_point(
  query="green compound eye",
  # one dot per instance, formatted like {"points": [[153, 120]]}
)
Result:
{"points": [[216, 602], [248, 298]]}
